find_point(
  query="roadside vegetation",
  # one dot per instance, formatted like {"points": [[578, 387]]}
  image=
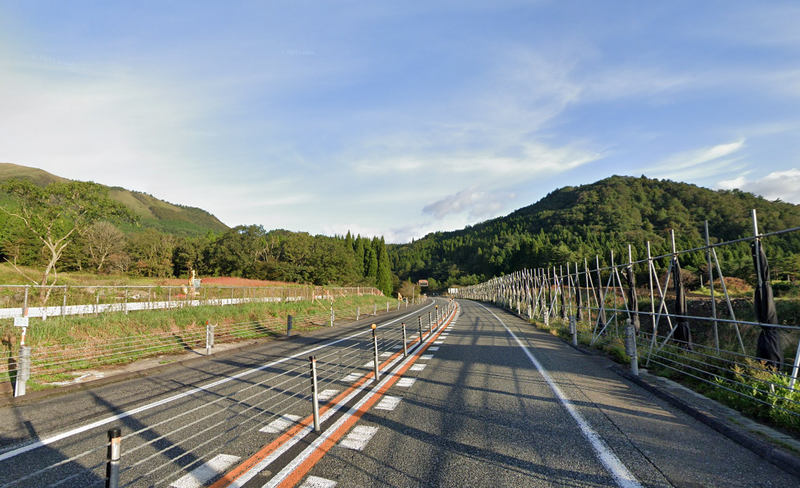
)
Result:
{"points": [[64, 346]]}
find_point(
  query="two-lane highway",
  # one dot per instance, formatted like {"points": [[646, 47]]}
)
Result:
{"points": [[502, 404], [484, 400]]}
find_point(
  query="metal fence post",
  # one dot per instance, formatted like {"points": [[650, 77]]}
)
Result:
{"points": [[23, 371], [64, 303], [332, 316], [405, 341], [314, 395], [25, 304], [387, 307], [289, 320], [375, 350], [114, 453], [374, 309]]}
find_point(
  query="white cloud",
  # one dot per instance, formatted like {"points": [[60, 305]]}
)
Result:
{"points": [[778, 184], [698, 163], [478, 203]]}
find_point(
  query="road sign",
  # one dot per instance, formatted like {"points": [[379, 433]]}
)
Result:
{"points": [[423, 283], [20, 321]]}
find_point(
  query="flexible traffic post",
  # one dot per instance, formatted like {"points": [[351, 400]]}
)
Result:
{"points": [[573, 329], [387, 307], [23, 370], [630, 347], [437, 315], [429, 322], [114, 453], [209, 337], [314, 395], [405, 341], [289, 320], [358, 313], [332, 317], [419, 320], [375, 350]]}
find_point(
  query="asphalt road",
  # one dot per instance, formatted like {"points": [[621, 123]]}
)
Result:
{"points": [[175, 421], [482, 414], [487, 401]]}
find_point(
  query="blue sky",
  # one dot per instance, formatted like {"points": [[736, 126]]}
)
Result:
{"points": [[399, 118]]}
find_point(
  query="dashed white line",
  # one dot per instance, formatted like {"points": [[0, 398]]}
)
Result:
{"points": [[426, 357], [206, 472], [405, 382], [326, 395], [351, 377], [438, 342], [433, 348], [317, 482], [280, 424], [388, 403], [358, 439], [417, 367], [386, 354]]}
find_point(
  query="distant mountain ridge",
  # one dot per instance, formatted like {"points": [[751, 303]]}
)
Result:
{"points": [[573, 223], [152, 212]]}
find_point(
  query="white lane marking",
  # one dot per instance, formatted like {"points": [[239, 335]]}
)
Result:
{"points": [[426, 357], [406, 382], [417, 367], [388, 403], [613, 465], [264, 463], [397, 347], [317, 482], [351, 377], [206, 472], [370, 364], [358, 439], [433, 348], [386, 354], [438, 342], [326, 395], [280, 424], [64, 435], [294, 463]]}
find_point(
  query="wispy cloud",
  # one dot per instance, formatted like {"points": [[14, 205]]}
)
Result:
{"points": [[478, 204], [699, 163]]}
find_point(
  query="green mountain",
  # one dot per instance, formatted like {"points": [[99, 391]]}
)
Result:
{"points": [[152, 213], [574, 223]]}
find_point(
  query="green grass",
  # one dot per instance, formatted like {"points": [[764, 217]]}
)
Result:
{"points": [[163, 332]]}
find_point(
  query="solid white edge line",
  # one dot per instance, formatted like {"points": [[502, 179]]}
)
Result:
{"points": [[64, 435], [616, 469]]}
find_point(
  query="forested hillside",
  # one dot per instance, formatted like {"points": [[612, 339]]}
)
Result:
{"points": [[54, 224], [574, 223]]}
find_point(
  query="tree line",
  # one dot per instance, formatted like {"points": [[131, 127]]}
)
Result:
{"points": [[75, 226], [574, 223]]}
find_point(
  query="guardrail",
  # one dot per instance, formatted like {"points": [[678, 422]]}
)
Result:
{"points": [[54, 364], [15, 300], [731, 349], [295, 394]]}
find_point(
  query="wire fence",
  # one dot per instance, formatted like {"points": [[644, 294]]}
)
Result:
{"points": [[200, 427], [62, 300], [730, 347], [61, 364]]}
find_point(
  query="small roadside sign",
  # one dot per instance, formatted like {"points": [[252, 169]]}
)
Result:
{"points": [[423, 283], [20, 321]]}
